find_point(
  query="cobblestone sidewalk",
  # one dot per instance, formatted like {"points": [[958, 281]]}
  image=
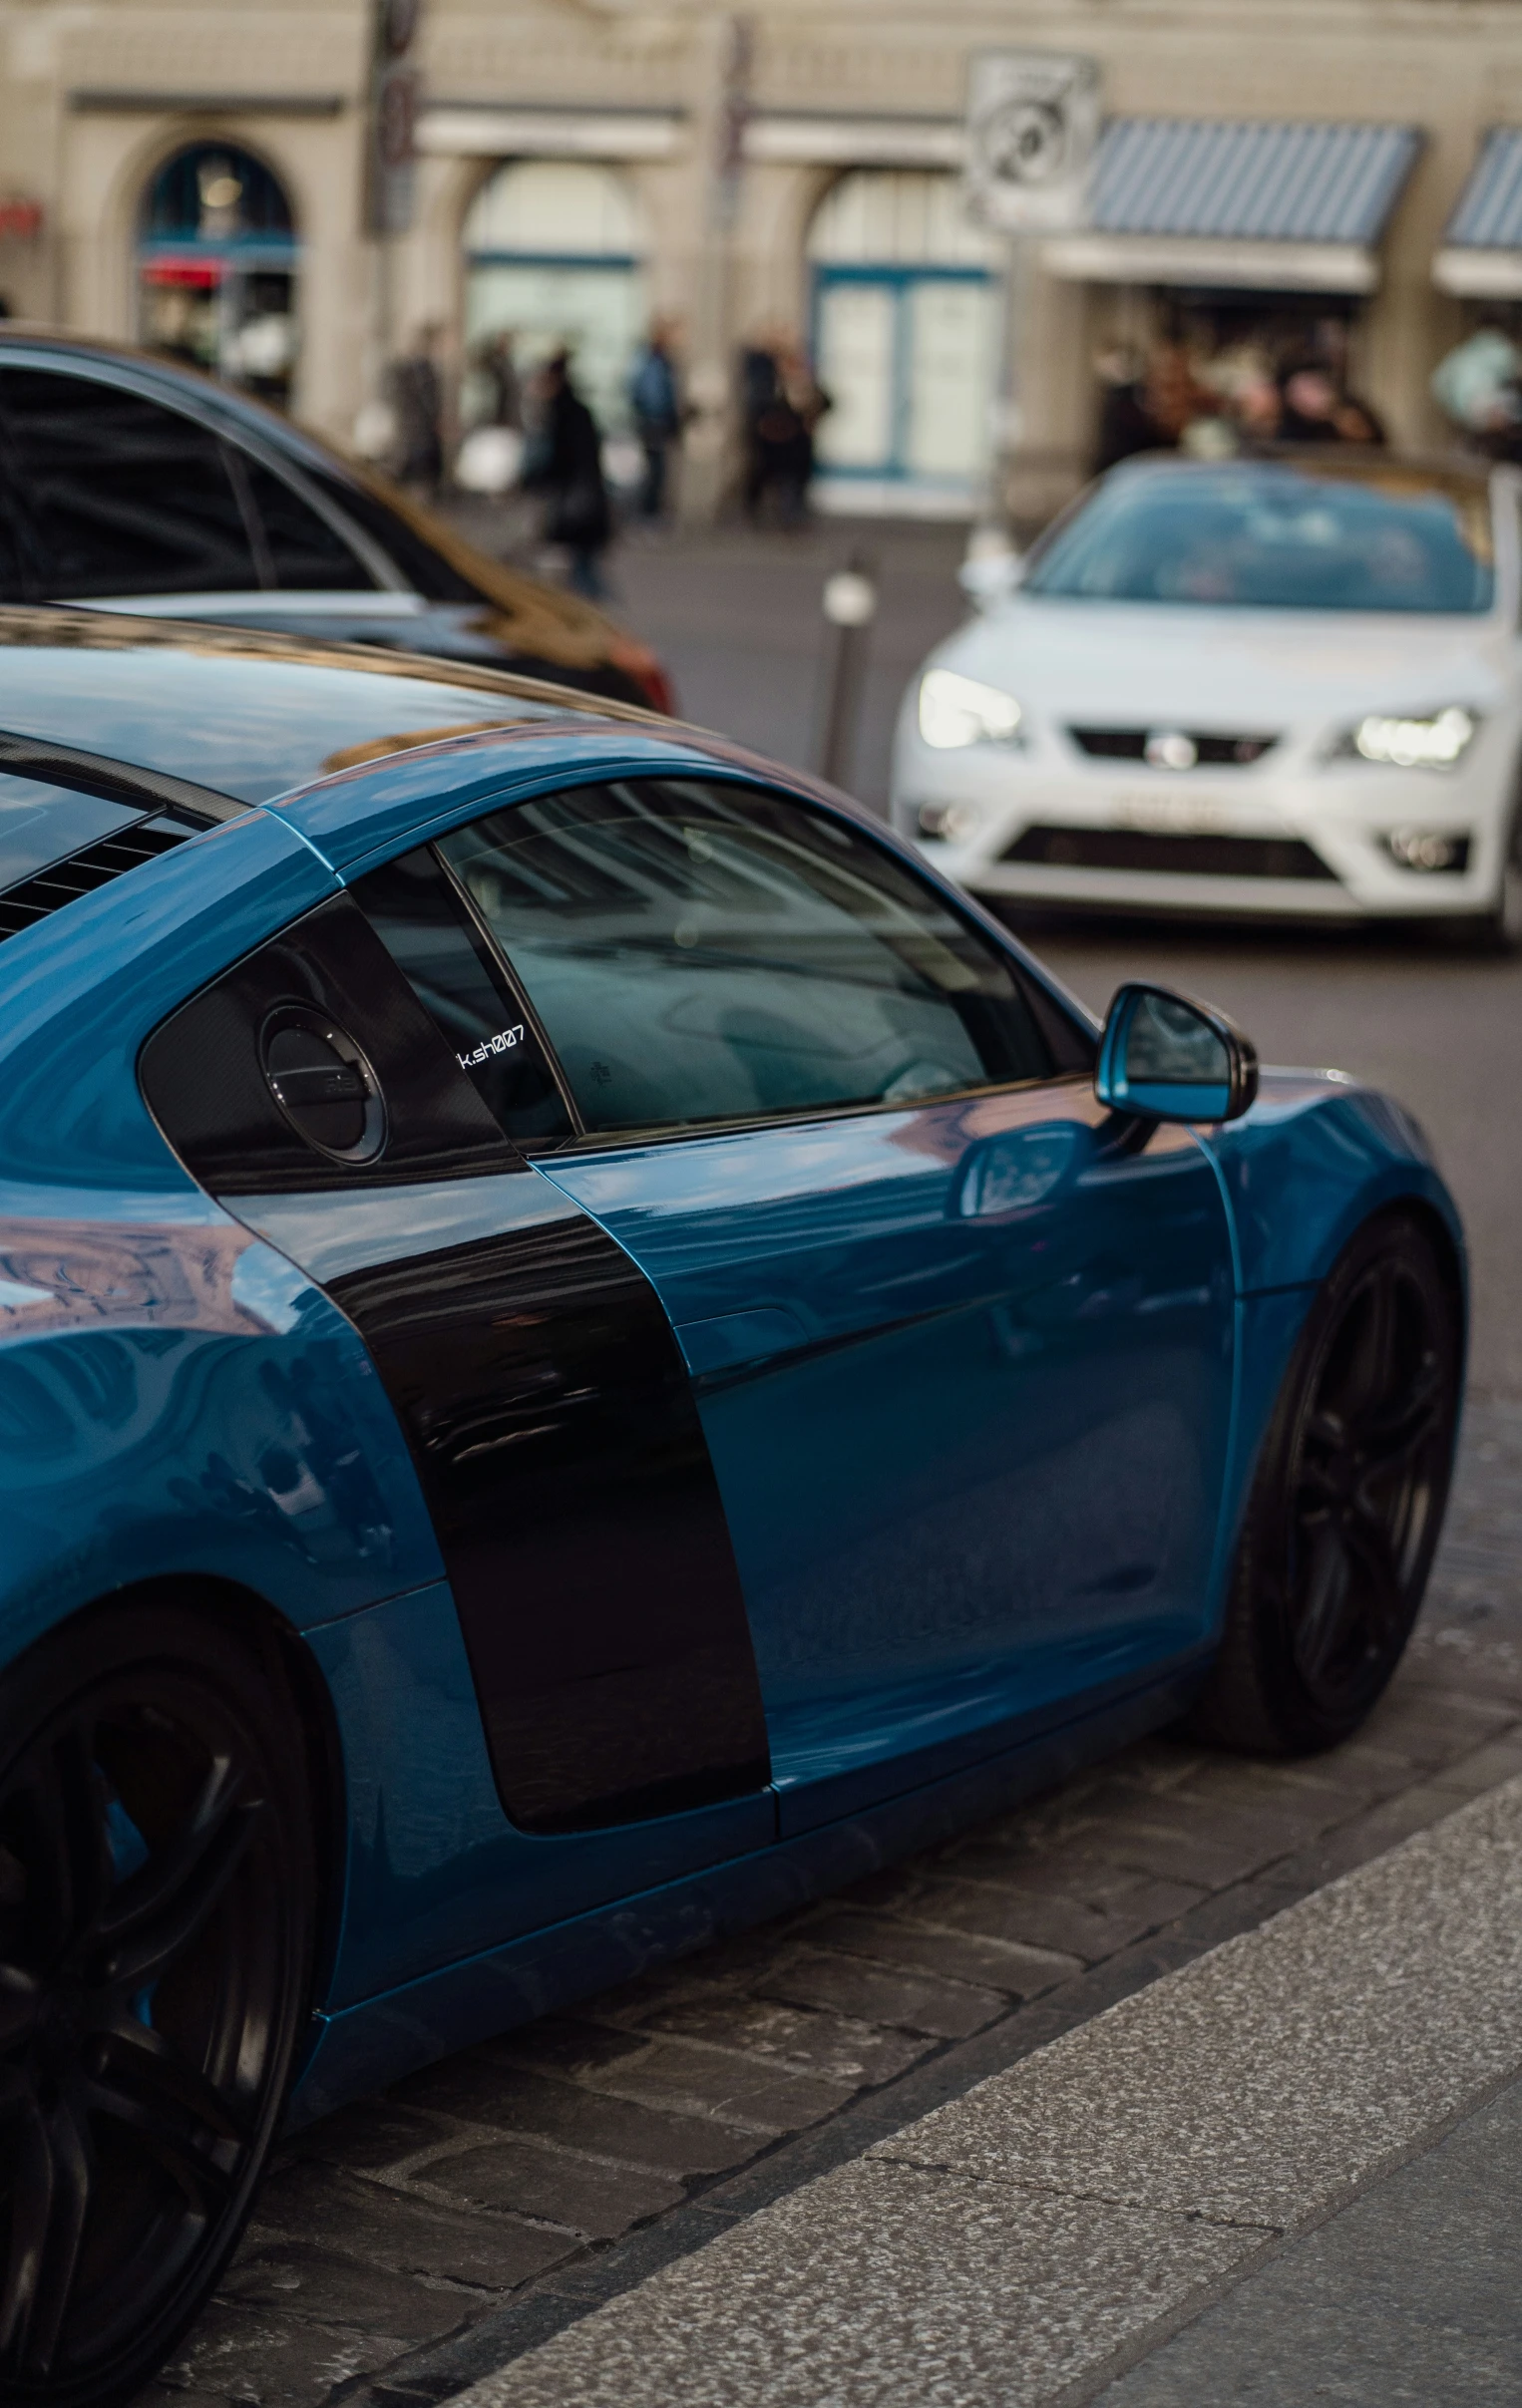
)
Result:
{"points": [[409, 2245]]}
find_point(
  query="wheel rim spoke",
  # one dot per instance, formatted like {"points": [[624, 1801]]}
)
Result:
{"points": [[69, 1868], [51, 2199], [31, 2202], [157, 1911], [1391, 1441], [1322, 1620], [185, 2155], [138, 2074], [1373, 1365], [19, 2000], [1367, 1544]]}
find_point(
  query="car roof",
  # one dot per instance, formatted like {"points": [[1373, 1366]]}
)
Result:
{"points": [[119, 736], [248, 714]]}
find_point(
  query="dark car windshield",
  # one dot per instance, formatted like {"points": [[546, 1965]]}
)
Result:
{"points": [[1263, 536]]}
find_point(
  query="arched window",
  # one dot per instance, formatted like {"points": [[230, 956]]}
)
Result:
{"points": [[555, 253], [903, 319], [217, 267]]}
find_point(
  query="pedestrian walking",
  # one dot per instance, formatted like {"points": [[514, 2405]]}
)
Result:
{"points": [[657, 402], [417, 398], [782, 403], [497, 370], [564, 463]]}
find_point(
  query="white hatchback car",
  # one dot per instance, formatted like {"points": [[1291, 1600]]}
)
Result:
{"points": [[1287, 687]]}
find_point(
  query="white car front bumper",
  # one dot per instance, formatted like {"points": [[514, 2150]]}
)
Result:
{"points": [[1296, 839]]}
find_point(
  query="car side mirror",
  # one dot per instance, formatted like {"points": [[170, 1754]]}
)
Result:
{"points": [[1163, 1057]]}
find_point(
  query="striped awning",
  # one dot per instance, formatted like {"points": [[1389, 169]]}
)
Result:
{"points": [[1181, 200], [1481, 253]]}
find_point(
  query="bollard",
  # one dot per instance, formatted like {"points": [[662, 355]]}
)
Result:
{"points": [[850, 604]]}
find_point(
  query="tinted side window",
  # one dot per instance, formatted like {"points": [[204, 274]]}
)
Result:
{"points": [[420, 919], [426, 570], [705, 953], [16, 579], [124, 497], [305, 554]]}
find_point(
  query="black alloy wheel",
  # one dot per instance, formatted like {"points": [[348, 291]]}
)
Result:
{"points": [[156, 1925], [1348, 1504]]}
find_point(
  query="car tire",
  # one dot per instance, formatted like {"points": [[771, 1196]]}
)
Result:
{"points": [[1346, 1505], [157, 1919]]}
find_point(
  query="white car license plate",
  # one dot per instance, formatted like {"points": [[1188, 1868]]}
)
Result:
{"points": [[1176, 814]]}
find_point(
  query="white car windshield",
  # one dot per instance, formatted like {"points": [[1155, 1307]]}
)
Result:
{"points": [[1261, 536]]}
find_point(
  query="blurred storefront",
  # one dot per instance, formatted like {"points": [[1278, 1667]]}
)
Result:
{"points": [[1343, 183], [555, 260], [902, 311], [216, 268]]}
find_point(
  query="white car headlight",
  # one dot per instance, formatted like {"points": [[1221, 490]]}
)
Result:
{"points": [[1434, 742], [956, 710]]}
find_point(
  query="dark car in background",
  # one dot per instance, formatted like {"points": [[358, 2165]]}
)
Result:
{"points": [[131, 483]]}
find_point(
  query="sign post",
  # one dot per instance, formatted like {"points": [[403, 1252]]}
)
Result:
{"points": [[1033, 125], [391, 155]]}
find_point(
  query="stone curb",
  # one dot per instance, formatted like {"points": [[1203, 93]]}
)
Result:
{"points": [[1025, 2242]]}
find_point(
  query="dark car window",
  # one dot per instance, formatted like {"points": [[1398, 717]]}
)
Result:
{"points": [[417, 913], [705, 952], [16, 581], [427, 572], [305, 553], [123, 496]]}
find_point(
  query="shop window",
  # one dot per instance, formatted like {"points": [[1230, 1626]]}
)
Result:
{"points": [[904, 316], [554, 252], [216, 268]]}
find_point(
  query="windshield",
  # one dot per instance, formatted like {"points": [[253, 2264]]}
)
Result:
{"points": [[1259, 536]]}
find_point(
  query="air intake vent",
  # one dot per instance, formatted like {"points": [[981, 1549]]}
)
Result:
{"points": [[80, 873], [1146, 850], [1209, 751]]}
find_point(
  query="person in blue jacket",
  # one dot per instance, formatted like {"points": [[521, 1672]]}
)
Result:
{"points": [[657, 402]]}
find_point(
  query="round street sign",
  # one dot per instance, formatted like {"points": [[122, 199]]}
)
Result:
{"points": [[1032, 123]]}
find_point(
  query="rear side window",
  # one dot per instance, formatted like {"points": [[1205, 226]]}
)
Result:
{"points": [[123, 496], [416, 911], [304, 554], [702, 952]]}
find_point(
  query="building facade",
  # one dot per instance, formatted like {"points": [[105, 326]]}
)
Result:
{"points": [[1337, 175]]}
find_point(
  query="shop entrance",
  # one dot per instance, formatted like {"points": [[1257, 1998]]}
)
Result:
{"points": [[216, 268], [555, 254], [904, 313]]}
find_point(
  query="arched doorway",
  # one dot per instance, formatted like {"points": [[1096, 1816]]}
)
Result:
{"points": [[553, 252], [903, 315], [217, 267]]}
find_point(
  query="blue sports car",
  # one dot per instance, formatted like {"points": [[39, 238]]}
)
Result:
{"points": [[587, 1349]]}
